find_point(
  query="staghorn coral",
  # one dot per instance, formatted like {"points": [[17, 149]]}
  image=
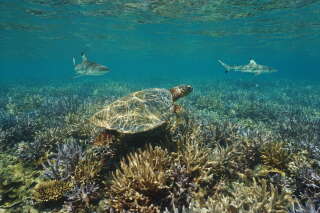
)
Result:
{"points": [[247, 144], [31, 152], [197, 169], [301, 133], [255, 197], [190, 169], [3, 136], [80, 198], [308, 186], [298, 127], [309, 207], [42, 143], [16, 128], [240, 197], [60, 105], [140, 184], [78, 126], [63, 163], [52, 190], [87, 170], [275, 155]]}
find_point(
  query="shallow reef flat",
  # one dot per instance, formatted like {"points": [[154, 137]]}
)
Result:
{"points": [[238, 146]]}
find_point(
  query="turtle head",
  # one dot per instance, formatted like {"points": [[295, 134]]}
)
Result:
{"points": [[180, 91]]}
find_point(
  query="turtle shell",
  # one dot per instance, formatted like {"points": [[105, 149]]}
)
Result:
{"points": [[138, 112]]}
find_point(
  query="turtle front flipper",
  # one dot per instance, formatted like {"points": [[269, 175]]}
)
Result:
{"points": [[106, 137], [105, 148], [181, 115], [178, 109]]}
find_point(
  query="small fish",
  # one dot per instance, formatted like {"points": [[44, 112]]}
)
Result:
{"points": [[252, 67], [89, 68]]}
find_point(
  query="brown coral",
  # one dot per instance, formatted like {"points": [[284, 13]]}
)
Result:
{"points": [[140, 184], [87, 170], [275, 155], [253, 198], [52, 190], [197, 169]]}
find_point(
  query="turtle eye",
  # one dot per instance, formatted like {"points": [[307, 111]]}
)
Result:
{"points": [[187, 89]]}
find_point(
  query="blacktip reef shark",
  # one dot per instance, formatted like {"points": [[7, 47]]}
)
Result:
{"points": [[252, 67], [89, 68]]}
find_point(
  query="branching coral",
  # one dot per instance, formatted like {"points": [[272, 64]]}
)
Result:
{"points": [[309, 207], [275, 155], [197, 169], [257, 197], [301, 133], [80, 197], [308, 186], [78, 126], [242, 198], [87, 170], [63, 163], [140, 184], [16, 128], [190, 169]]}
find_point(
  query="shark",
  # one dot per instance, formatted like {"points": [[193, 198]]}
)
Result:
{"points": [[89, 68], [252, 68]]}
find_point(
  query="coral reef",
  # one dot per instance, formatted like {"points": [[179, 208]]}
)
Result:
{"points": [[255, 197], [308, 186], [64, 162], [246, 149], [140, 181], [52, 190], [87, 170], [274, 154], [81, 197], [15, 182]]}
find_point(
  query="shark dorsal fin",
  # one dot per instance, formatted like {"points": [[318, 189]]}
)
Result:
{"points": [[84, 57], [252, 62]]}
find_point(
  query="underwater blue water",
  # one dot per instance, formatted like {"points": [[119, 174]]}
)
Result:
{"points": [[157, 41]]}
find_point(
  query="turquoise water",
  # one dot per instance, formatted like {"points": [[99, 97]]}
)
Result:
{"points": [[237, 139], [149, 39]]}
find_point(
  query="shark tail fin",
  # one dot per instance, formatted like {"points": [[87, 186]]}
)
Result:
{"points": [[226, 66]]}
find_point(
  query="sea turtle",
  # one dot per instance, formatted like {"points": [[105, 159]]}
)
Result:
{"points": [[140, 111]]}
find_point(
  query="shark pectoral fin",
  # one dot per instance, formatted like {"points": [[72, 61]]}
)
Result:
{"points": [[221, 62], [227, 67], [77, 76]]}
